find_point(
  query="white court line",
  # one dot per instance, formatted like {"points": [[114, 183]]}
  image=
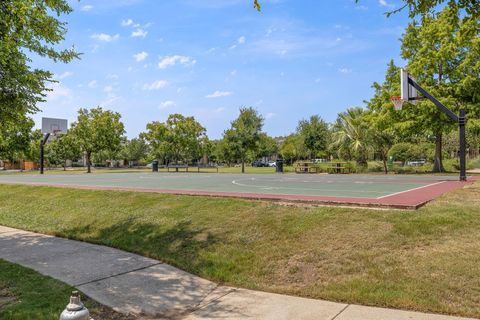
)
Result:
{"points": [[394, 194]]}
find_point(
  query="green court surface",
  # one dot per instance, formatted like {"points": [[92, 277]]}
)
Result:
{"points": [[348, 186]]}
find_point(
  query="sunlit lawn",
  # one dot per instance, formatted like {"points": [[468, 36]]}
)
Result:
{"points": [[426, 260]]}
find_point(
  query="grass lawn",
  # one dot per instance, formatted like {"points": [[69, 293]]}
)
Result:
{"points": [[426, 260], [26, 294]]}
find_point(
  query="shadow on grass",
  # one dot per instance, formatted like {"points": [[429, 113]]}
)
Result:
{"points": [[181, 245]]}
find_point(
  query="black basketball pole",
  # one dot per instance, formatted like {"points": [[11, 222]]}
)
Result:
{"points": [[460, 119], [463, 162], [42, 148]]}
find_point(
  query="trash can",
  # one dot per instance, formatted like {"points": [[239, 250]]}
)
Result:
{"points": [[279, 166], [155, 166]]}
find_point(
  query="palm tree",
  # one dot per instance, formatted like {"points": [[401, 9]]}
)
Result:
{"points": [[350, 134]]}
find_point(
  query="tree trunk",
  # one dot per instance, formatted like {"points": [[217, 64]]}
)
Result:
{"points": [[64, 165], [384, 159], [243, 165], [88, 162], [438, 163]]}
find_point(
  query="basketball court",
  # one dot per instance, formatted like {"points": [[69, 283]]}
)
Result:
{"points": [[393, 191]]}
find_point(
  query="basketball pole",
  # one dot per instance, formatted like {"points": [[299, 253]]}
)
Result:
{"points": [[460, 119], [42, 153]]}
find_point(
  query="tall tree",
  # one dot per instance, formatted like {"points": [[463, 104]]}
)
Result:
{"points": [[435, 50], [244, 134], [28, 26], [98, 130], [315, 134], [179, 138]]}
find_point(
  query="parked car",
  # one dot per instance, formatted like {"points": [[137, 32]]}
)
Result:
{"points": [[272, 163], [259, 163]]}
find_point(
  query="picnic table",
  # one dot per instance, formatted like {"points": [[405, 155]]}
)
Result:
{"points": [[307, 167], [338, 167]]}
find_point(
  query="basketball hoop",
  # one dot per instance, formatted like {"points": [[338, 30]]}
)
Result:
{"points": [[397, 102]]}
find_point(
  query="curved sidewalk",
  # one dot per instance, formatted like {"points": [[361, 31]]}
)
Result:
{"points": [[130, 283]]}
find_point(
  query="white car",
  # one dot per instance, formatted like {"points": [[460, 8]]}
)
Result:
{"points": [[272, 163]]}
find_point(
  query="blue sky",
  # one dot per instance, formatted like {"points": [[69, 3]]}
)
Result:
{"points": [[206, 58]]}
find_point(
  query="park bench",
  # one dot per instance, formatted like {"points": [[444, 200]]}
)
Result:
{"points": [[177, 166], [206, 166]]}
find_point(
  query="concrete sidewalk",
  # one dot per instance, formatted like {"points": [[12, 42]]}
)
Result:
{"points": [[130, 283]]}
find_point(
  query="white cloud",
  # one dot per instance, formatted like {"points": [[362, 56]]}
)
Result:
{"points": [[221, 109], [270, 115], [112, 76], [218, 94], [107, 89], [64, 75], [167, 104], [241, 40], [86, 8], [233, 73], [139, 33], [232, 47], [59, 91], [105, 37], [384, 3], [156, 85], [140, 56], [126, 23], [92, 84], [173, 60], [345, 70]]}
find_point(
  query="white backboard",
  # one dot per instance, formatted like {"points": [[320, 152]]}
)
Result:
{"points": [[407, 91], [52, 125]]}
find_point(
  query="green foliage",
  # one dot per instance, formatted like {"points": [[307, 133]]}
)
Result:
{"points": [[350, 134], [244, 134], [405, 151], [96, 131], [315, 134], [26, 27], [134, 150], [62, 148], [292, 148], [180, 138], [16, 138]]}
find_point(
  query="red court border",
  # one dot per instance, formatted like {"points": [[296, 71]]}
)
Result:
{"points": [[410, 199]]}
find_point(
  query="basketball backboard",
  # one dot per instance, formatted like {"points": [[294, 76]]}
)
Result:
{"points": [[54, 126], [408, 92]]}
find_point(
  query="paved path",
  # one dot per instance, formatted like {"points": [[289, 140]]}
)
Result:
{"points": [[130, 283]]}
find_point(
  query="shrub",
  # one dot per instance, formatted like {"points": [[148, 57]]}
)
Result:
{"points": [[405, 151]]}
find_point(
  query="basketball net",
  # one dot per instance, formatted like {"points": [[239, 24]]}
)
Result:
{"points": [[397, 102]]}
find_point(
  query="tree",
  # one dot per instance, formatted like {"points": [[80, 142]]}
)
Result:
{"points": [[292, 148], [266, 146], [134, 150], [435, 50], [315, 134], [384, 127], [351, 132], [16, 138], [28, 27], [244, 134], [62, 148], [97, 130], [179, 138]]}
